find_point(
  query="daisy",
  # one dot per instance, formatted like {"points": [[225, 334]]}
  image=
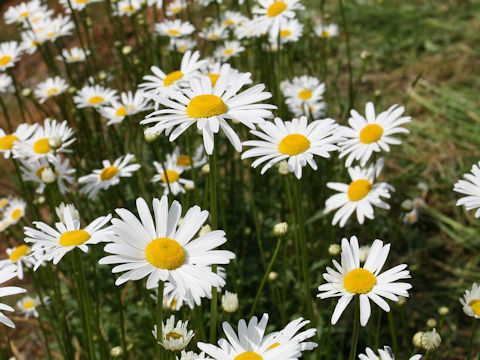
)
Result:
{"points": [[469, 187], [170, 178], [4, 201], [371, 133], [51, 244], [33, 171], [174, 337], [198, 159], [289, 333], [228, 50], [385, 354], [272, 12], [40, 144], [295, 141], [232, 19], [190, 355], [175, 7], [10, 52], [214, 32], [7, 141], [129, 104], [52, 29], [216, 70], [7, 274], [290, 31], [78, 5], [74, 55], [174, 28], [182, 45], [349, 280], [28, 306], [21, 12], [248, 29], [209, 107], [126, 7], [109, 175], [20, 256], [155, 247], [471, 302], [6, 83], [359, 195], [250, 343], [29, 42], [49, 88], [303, 92], [94, 96], [326, 31], [189, 67], [15, 211]]}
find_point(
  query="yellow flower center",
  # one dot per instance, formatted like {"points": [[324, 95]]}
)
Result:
{"points": [[23, 15], [6, 142], [475, 305], [165, 253], [228, 22], [128, 8], [3, 203], [285, 33], [305, 94], [121, 112], [81, 1], [228, 52], [51, 35], [182, 49], [204, 106], [213, 36], [371, 133], [4, 60], [276, 8], [273, 346], [249, 355], [359, 281], [41, 146], [358, 189], [293, 144], [19, 252], [171, 175], [73, 238], [52, 91], [213, 78], [176, 9], [172, 77], [28, 305], [325, 33], [95, 100], [173, 336], [182, 160], [16, 214], [173, 32], [108, 173]]}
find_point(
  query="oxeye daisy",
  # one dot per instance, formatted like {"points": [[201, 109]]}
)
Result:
{"points": [[29, 42], [51, 244], [94, 96], [174, 28], [28, 306], [289, 333], [248, 29], [74, 55], [40, 144], [251, 343], [295, 141], [189, 67], [23, 11], [8, 141], [350, 280], [209, 107], [216, 70], [129, 104], [232, 19], [290, 31], [385, 354], [190, 355], [469, 187], [9, 54], [126, 7], [49, 88], [360, 195], [228, 50], [272, 12], [371, 133], [155, 247], [52, 29], [198, 159], [471, 301], [326, 31], [6, 84], [175, 7], [7, 274], [174, 337], [214, 32], [15, 211], [182, 45], [109, 175], [20, 256], [169, 176], [302, 93]]}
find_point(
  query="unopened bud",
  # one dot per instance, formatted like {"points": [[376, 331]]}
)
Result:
{"points": [[283, 168], [431, 323], [48, 176], [206, 169], [26, 92], [407, 205], [417, 339], [230, 302], [334, 249], [126, 50], [116, 352], [272, 276], [55, 141], [150, 136], [443, 311], [280, 229], [204, 230]]}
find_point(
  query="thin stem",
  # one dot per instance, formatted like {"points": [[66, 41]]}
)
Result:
{"points": [[356, 329], [391, 324], [159, 319], [470, 342], [349, 57]]}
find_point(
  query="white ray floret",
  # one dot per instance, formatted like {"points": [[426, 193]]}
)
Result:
{"points": [[49, 88], [471, 188], [21, 134], [7, 274], [383, 354]]}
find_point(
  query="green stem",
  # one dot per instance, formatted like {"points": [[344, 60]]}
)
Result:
{"points": [[214, 224], [470, 342], [45, 338], [159, 319], [391, 324], [356, 329], [349, 57]]}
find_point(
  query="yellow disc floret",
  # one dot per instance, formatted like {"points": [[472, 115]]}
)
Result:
{"points": [[121, 112], [249, 355], [28, 305], [204, 106], [358, 189], [165, 253], [371, 133], [475, 305], [16, 214], [285, 33], [73, 238], [305, 94], [294, 144], [108, 173], [41, 146], [359, 281], [276, 8], [183, 160], [6, 142], [172, 77], [171, 175], [19, 252], [173, 336], [4, 60], [213, 78], [95, 100]]}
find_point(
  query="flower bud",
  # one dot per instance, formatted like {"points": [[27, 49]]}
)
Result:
{"points": [[230, 302], [272, 275], [55, 141], [334, 249], [26, 92], [417, 339], [283, 168], [126, 50], [280, 229], [116, 352], [443, 311], [204, 230], [431, 340], [61, 208], [150, 136], [401, 300], [48, 176], [431, 323], [407, 205], [205, 169]]}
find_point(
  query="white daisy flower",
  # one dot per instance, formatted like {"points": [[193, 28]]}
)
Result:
{"points": [[28, 306], [51, 244], [294, 140], [174, 28], [302, 93], [4, 201], [469, 187], [290, 31], [248, 29], [10, 52], [371, 133], [385, 354], [33, 171], [326, 31], [272, 12], [78, 5], [39, 145], [29, 43], [189, 68], [129, 104], [23, 11], [215, 70], [15, 211], [349, 280], [209, 107], [52, 29], [198, 159], [7, 274], [109, 175], [214, 32], [74, 55], [20, 256], [251, 343], [169, 176], [7, 141], [232, 19], [155, 247], [190, 355], [126, 7], [175, 7], [174, 337], [6, 84], [94, 96], [49, 88], [359, 195], [228, 50], [289, 334], [471, 301], [182, 45]]}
